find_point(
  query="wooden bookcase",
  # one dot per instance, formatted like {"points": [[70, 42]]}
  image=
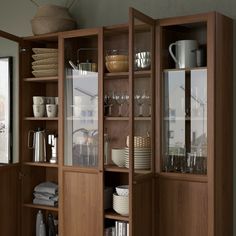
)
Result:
{"points": [[162, 203]]}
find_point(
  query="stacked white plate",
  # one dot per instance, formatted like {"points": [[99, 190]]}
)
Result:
{"points": [[142, 158], [45, 62]]}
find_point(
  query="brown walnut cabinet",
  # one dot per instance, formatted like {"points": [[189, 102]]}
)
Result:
{"points": [[164, 199]]}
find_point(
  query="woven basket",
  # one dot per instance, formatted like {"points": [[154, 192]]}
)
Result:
{"points": [[53, 10], [140, 142], [48, 24]]}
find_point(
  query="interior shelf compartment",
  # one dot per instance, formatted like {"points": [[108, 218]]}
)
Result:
{"points": [[31, 205], [110, 214], [40, 164], [42, 79], [184, 177]]}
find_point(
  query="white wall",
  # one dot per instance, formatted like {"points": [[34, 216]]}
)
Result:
{"points": [[15, 16]]}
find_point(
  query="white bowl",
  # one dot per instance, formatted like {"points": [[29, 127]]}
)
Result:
{"points": [[121, 204], [122, 190], [118, 157]]}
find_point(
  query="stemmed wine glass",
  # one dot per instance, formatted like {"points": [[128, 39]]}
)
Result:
{"points": [[148, 101], [139, 97], [120, 98], [109, 99]]}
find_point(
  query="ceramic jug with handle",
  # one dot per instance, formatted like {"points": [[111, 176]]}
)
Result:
{"points": [[185, 53]]}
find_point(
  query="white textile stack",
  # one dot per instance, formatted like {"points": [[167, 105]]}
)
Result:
{"points": [[46, 193]]}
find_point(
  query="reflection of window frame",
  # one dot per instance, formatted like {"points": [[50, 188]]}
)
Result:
{"points": [[7, 121]]}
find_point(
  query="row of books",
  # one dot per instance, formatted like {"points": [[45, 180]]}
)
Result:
{"points": [[120, 229]]}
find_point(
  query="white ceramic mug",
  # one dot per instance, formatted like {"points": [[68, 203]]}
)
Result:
{"points": [[38, 100], [185, 53], [49, 100], [38, 110], [56, 100], [51, 110]]}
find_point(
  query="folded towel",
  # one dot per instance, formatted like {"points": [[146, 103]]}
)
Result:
{"points": [[46, 196], [47, 187], [44, 202]]}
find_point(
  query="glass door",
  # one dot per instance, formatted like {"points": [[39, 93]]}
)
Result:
{"points": [[185, 121], [81, 102], [141, 135]]}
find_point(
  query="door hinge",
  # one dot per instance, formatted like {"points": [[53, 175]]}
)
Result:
{"points": [[23, 49]]}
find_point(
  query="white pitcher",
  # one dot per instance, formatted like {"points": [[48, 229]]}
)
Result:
{"points": [[185, 53]]}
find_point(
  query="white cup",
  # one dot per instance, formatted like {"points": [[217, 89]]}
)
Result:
{"points": [[38, 100], [56, 100], [38, 110], [51, 110], [49, 100], [118, 156]]}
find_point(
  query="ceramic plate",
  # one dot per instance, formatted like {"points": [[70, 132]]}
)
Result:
{"points": [[52, 60], [44, 73], [42, 56], [44, 50], [45, 67]]}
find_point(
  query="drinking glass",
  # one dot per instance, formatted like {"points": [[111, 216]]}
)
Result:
{"points": [[109, 99], [120, 98], [139, 97]]}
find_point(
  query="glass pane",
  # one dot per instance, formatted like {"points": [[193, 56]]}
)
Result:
{"points": [[142, 97], [174, 117], [199, 119], [185, 121], [81, 105]]}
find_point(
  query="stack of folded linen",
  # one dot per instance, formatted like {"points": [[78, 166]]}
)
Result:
{"points": [[46, 193]]}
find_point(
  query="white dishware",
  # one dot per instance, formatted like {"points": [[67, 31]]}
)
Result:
{"points": [[38, 100], [121, 204], [185, 53], [49, 100], [39, 110], [117, 156], [56, 100], [42, 56], [51, 110], [122, 190]]}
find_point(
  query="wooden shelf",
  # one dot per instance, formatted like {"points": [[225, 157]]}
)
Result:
{"points": [[81, 169], [113, 168], [125, 118], [42, 79], [49, 208], [125, 75], [40, 118], [184, 177], [40, 164], [186, 69], [115, 216]]}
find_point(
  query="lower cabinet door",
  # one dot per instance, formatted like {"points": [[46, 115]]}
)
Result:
{"points": [[183, 208], [82, 204]]}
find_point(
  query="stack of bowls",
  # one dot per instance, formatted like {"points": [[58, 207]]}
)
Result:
{"points": [[117, 61], [121, 204], [143, 60]]}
